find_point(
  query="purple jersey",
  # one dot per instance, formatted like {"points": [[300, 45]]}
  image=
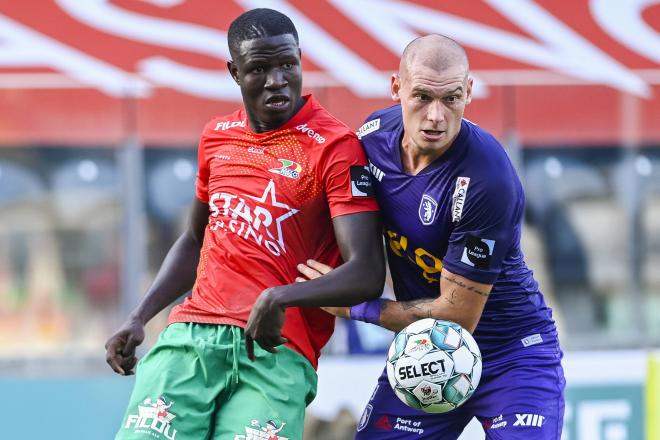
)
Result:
{"points": [[463, 212]]}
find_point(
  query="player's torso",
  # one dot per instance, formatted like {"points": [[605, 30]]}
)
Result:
{"points": [[416, 212]]}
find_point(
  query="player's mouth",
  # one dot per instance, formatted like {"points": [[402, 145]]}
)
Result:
{"points": [[278, 102], [432, 135]]}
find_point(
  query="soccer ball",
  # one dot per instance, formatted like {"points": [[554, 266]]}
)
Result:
{"points": [[434, 365]]}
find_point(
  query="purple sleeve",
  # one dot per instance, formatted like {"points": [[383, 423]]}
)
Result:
{"points": [[485, 227]]}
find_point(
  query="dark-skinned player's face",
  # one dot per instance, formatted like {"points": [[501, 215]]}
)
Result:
{"points": [[269, 73]]}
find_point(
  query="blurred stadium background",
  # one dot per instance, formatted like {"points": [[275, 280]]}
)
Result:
{"points": [[101, 104]]}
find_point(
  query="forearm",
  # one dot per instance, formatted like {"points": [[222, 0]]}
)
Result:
{"points": [[175, 277], [395, 315], [349, 284]]}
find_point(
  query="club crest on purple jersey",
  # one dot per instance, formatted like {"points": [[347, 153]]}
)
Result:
{"points": [[427, 209]]}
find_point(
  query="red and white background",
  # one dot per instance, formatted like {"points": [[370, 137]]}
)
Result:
{"points": [[584, 72]]}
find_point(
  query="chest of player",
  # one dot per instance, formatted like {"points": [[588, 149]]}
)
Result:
{"points": [[246, 167], [418, 212]]}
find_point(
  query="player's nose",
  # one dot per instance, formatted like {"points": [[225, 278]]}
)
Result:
{"points": [[276, 79], [435, 112]]}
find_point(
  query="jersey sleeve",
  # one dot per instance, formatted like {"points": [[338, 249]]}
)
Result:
{"points": [[488, 226], [202, 180], [346, 178]]}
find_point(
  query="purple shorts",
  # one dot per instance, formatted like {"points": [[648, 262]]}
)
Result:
{"points": [[517, 398]]}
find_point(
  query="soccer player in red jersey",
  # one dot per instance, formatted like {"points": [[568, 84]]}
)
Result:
{"points": [[280, 182]]}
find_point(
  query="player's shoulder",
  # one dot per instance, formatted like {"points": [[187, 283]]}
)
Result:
{"points": [[381, 121], [323, 125], [487, 160], [223, 123]]}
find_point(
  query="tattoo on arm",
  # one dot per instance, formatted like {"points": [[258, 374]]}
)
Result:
{"points": [[419, 304], [463, 285]]}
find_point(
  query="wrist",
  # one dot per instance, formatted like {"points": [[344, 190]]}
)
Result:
{"points": [[368, 311]]}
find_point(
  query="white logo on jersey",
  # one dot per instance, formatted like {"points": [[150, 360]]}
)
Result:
{"points": [[368, 127], [226, 125], [529, 420], [427, 209], [311, 133], [252, 223], [458, 199]]}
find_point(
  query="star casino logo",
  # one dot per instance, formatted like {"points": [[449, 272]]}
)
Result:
{"points": [[288, 169], [257, 219]]}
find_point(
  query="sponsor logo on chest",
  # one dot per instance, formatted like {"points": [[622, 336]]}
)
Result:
{"points": [[288, 169], [458, 198], [303, 128]]}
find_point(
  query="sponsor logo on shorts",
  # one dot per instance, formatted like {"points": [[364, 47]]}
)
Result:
{"points": [[531, 340], [154, 418], [226, 125], [408, 425], [361, 185], [458, 199], [529, 420], [288, 169], [257, 431], [303, 128], [477, 252], [427, 209], [368, 127], [495, 423], [364, 420], [383, 423]]}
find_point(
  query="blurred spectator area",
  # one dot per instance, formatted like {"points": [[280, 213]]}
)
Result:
{"points": [[592, 236]]}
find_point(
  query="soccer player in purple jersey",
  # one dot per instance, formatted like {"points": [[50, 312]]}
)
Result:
{"points": [[452, 207]]}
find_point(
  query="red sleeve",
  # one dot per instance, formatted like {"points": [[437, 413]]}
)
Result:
{"points": [[346, 178], [202, 181]]}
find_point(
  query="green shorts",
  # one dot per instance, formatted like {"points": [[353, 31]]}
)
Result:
{"points": [[197, 383]]}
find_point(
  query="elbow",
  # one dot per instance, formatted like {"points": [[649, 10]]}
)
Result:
{"points": [[372, 282]]}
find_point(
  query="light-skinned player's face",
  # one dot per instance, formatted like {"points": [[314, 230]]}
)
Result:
{"points": [[433, 103], [269, 72]]}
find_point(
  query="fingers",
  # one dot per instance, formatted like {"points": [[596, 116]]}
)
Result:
{"points": [[320, 267], [249, 347], [309, 272], [129, 347], [268, 344], [113, 355]]}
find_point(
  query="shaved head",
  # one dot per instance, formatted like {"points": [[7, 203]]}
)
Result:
{"points": [[436, 52]]}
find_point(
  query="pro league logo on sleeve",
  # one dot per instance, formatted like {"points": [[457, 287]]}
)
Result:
{"points": [[361, 185], [478, 252]]}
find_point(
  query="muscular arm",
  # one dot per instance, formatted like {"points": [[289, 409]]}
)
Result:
{"points": [[359, 279], [175, 277], [461, 301]]}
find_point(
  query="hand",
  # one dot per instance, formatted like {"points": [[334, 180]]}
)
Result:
{"points": [[120, 348], [312, 270], [265, 324]]}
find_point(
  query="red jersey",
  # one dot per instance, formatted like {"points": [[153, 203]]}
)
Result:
{"points": [[272, 197]]}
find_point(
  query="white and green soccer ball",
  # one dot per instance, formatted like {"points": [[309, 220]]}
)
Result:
{"points": [[434, 365]]}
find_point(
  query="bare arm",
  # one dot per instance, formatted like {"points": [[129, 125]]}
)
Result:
{"points": [[462, 301], [360, 278], [175, 277]]}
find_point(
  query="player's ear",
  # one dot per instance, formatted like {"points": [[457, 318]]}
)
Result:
{"points": [[395, 87], [233, 71], [468, 91]]}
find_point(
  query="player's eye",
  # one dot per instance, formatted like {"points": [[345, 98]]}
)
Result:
{"points": [[452, 98], [288, 66], [258, 69], [422, 97]]}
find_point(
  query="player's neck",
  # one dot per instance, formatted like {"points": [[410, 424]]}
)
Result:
{"points": [[415, 159]]}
